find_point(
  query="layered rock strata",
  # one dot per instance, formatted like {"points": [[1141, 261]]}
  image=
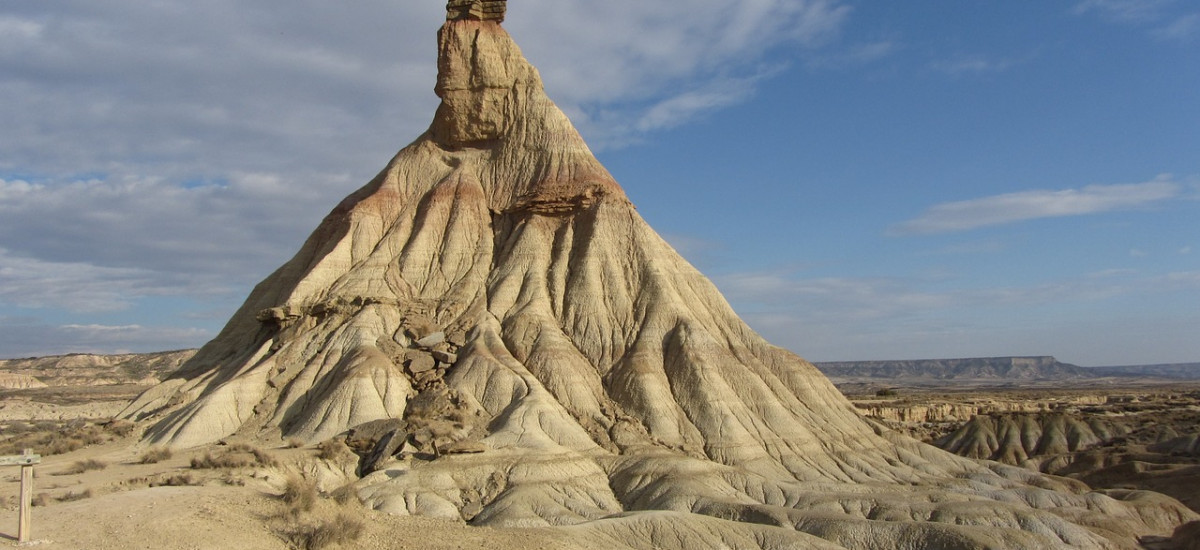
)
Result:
{"points": [[606, 382]]}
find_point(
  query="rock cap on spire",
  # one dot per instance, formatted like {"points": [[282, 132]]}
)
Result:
{"points": [[478, 10]]}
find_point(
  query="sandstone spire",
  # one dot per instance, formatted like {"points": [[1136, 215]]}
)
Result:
{"points": [[494, 290]]}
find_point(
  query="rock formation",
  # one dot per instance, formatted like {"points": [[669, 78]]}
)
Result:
{"points": [[11, 381], [495, 290]]}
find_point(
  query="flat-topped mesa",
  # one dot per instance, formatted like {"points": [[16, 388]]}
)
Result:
{"points": [[479, 10]]}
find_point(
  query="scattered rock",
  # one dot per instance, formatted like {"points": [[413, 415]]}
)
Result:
{"points": [[432, 340], [385, 448], [464, 447], [421, 362]]}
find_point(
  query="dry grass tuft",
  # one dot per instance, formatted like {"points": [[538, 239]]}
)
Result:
{"points": [[345, 495], [154, 455], [234, 456], [340, 530], [49, 437], [82, 466], [210, 461], [120, 428], [184, 479], [299, 494], [73, 496], [333, 450]]}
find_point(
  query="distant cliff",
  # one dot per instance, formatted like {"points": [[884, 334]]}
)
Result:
{"points": [[1178, 371], [82, 369], [980, 369]]}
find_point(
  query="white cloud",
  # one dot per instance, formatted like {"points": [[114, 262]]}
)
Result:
{"points": [[1029, 205], [185, 149], [1164, 20], [838, 318], [1183, 29], [973, 64], [85, 288], [678, 109], [1123, 10], [1185, 250], [23, 337]]}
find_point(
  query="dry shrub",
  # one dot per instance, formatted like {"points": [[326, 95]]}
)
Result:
{"points": [[120, 428], [73, 496], [227, 460], [264, 458], [178, 480], [48, 437], [82, 466], [234, 456], [342, 529], [299, 494], [345, 495], [333, 450], [154, 455], [295, 443], [40, 500]]}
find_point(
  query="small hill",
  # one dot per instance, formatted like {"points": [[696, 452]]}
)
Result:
{"points": [[980, 369], [998, 371], [82, 369], [1175, 371]]}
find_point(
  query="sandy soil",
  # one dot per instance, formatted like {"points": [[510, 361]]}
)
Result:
{"points": [[124, 512]]}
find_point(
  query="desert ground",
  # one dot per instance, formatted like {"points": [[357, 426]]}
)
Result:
{"points": [[99, 487]]}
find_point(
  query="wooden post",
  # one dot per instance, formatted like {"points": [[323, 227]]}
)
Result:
{"points": [[26, 498], [26, 460]]}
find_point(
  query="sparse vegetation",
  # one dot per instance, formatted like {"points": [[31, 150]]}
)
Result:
{"points": [[342, 529], [235, 456], [154, 455], [73, 496], [120, 428], [225, 460], [886, 392], [345, 495], [333, 450], [47, 437], [82, 466], [299, 494], [176, 480]]}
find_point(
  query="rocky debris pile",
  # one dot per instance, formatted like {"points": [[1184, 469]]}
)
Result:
{"points": [[493, 290]]}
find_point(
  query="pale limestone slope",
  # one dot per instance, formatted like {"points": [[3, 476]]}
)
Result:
{"points": [[601, 372]]}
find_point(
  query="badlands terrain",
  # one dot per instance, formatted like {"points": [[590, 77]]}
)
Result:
{"points": [[489, 334], [98, 490]]}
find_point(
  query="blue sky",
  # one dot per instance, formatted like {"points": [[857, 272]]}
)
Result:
{"points": [[863, 180]]}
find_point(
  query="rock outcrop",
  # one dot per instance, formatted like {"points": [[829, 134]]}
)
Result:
{"points": [[597, 379], [12, 381]]}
